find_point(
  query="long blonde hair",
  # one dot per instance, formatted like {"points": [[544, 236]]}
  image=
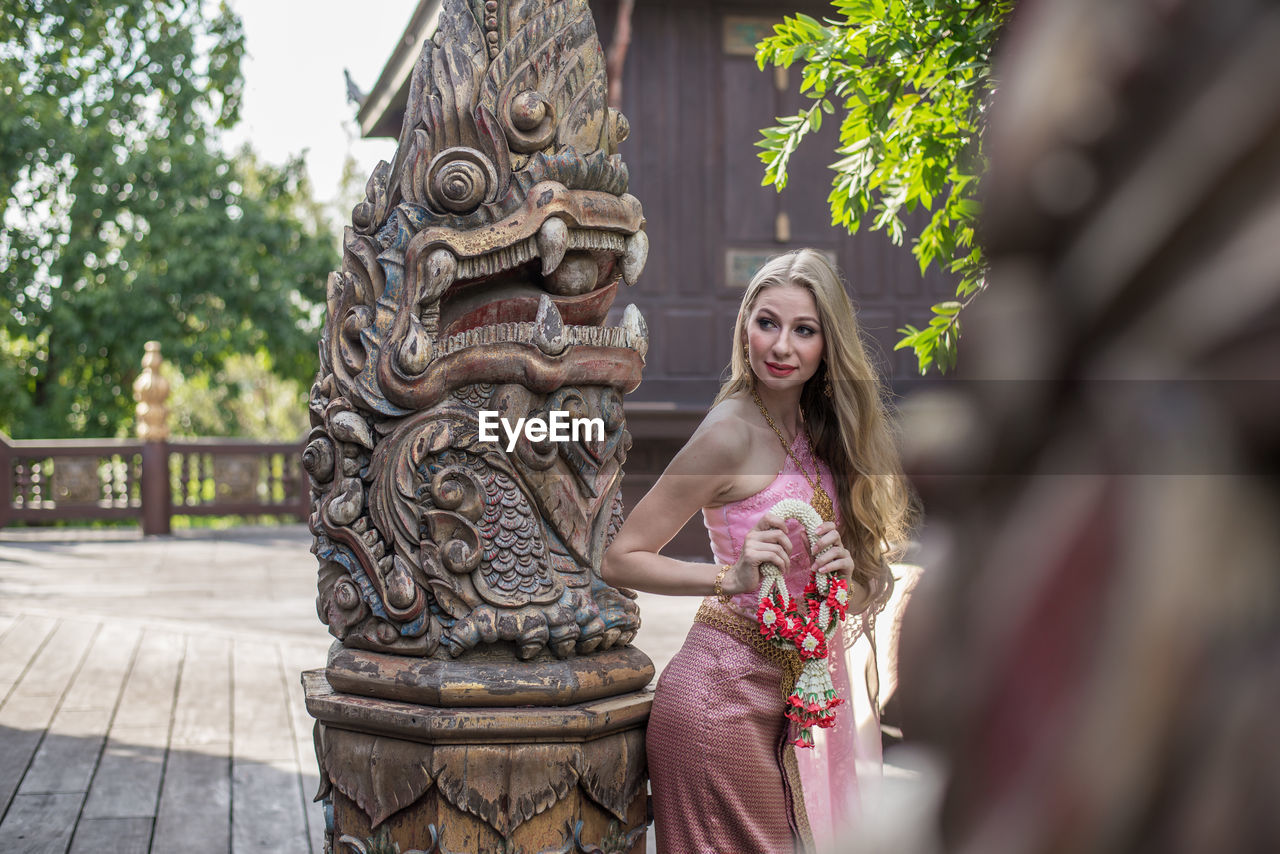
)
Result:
{"points": [[851, 430]]}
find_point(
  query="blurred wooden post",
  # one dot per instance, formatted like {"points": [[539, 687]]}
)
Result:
{"points": [[151, 390], [6, 480]]}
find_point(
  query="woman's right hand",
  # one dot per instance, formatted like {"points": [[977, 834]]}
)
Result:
{"points": [[767, 542]]}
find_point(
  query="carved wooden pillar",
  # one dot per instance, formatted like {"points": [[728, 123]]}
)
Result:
{"points": [[483, 695], [151, 391]]}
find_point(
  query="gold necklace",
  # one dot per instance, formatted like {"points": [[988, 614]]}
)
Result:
{"points": [[820, 501]]}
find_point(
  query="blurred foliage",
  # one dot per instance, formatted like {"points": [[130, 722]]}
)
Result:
{"points": [[243, 397], [124, 221], [910, 81]]}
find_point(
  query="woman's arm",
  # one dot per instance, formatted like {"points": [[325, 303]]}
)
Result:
{"points": [[702, 472]]}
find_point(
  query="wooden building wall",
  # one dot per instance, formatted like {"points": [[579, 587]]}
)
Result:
{"points": [[696, 110]]}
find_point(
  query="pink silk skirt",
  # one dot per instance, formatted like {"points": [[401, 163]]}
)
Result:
{"points": [[716, 746]]}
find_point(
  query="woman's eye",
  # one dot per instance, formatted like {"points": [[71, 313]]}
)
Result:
{"points": [[806, 331], [764, 323]]}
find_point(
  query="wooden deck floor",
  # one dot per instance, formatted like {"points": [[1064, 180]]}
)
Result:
{"points": [[150, 698], [149, 693], [118, 737]]}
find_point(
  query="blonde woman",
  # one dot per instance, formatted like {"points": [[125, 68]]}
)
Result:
{"points": [[800, 416]]}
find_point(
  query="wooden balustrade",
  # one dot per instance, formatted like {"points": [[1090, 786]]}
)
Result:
{"points": [[78, 479], [152, 478]]}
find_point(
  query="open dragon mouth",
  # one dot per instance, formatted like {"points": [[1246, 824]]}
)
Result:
{"points": [[523, 299], [553, 290]]}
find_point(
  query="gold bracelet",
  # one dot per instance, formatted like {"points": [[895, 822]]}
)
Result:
{"points": [[718, 587]]}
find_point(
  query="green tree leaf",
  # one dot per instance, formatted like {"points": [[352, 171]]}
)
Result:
{"points": [[909, 81]]}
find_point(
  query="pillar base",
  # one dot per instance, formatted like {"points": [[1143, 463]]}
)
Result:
{"points": [[443, 780], [493, 676]]}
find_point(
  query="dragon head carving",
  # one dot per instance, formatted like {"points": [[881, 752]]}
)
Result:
{"points": [[478, 274]]}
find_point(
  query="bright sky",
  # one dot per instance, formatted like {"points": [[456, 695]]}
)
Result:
{"points": [[295, 96]]}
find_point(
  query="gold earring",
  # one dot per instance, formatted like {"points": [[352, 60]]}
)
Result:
{"points": [[826, 384]]}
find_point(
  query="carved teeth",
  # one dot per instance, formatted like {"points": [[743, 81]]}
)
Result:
{"points": [[637, 330], [415, 350], [439, 270], [553, 240], [636, 254], [548, 328]]}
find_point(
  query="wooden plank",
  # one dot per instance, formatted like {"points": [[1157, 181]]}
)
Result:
{"points": [[127, 782], [203, 712], [73, 743], [17, 746], [56, 662], [750, 104], [260, 721], [266, 795], [266, 816], [19, 646], [195, 804], [296, 658], [98, 684], [149, 693], [31, 704], [194, 813], [68, 754], [39, 824], [117, 835]]}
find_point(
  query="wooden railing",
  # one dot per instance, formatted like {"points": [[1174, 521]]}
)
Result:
{"points": [[151, 479], [75, 479], [69, 478]]}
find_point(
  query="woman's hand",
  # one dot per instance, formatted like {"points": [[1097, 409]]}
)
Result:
{"points": [[836, 557], [767, 542]]}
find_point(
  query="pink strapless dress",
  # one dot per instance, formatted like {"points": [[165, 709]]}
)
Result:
{"points": [[718, 745]]}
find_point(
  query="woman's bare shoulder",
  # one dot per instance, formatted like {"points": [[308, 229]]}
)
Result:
{"points": [[722, 442], [727, 427]]}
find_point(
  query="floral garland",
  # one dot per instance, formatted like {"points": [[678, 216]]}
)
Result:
{"points": [[805, 626]]}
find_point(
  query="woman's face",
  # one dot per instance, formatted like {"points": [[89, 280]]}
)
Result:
{"points": [[784, 338]]}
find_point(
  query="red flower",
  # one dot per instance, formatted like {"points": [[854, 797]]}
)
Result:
{"points": [[791, 621], [814, 605], [772, 617], [838, 597], [810, 642]]}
